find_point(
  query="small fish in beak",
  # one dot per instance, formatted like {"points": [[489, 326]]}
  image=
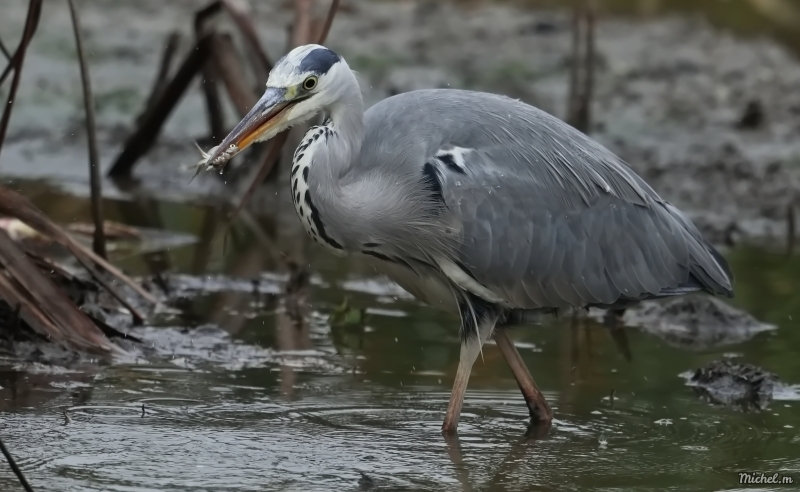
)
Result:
{"points": [[268, 114]]}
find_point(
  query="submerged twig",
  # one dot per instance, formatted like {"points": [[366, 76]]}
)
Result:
{"points": [[790, 229], [95, 184], [15, 468], [31, 23]]}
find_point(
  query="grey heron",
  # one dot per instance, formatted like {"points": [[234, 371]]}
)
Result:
{"points": [[476, 203]]}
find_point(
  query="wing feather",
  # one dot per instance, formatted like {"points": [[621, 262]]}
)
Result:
{"points": [[544, 216]]}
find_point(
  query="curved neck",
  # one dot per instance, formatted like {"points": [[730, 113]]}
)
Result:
{"points": [[346, 120]]}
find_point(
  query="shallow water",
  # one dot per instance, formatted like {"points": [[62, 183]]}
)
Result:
{"points": [[234, 394], [279, 406]]}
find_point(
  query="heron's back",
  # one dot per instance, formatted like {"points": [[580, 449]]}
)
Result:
{"points": [[545, 216]]}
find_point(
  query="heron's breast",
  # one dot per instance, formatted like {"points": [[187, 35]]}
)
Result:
{"points": [[302, 197], [430, 289]]}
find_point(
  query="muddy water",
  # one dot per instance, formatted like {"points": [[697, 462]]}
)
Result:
{"points": [[245, 389], [235, 395]]}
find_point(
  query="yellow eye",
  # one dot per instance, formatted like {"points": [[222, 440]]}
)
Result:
{"points": [[310, 83]]}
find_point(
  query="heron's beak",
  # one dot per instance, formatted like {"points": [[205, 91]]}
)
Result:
{"points": [[267, 115]]}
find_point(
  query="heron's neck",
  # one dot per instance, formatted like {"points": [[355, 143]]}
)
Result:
{"points": [[346, 122], [321, 162]]}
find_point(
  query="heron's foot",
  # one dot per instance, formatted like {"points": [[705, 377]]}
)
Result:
{"points": [[538, 408], [538, 429]]}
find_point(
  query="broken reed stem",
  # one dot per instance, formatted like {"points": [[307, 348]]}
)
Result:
{"points": [[328, 21], [232, 74], [572, 97], [95, 183], [241, 13], [31, 23], [15, 468], [581, 79], [5, 51], [162, 77], [216, 120], [301, 33], [146, 133], [270, 159], [588, 89]]}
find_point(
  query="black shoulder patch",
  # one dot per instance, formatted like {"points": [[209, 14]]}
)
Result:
{"points": [[430, 178], [319, 61]]}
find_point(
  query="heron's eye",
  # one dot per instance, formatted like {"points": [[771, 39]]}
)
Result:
{"points": [[310, 83]]}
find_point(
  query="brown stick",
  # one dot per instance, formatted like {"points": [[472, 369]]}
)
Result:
{"points": [[95, 184], [5, 51], [31, 23], [301, 31], [574, 66], [241, 13], [75, 326], [145, 135], [15, 205], [581, 81], [538, 408], [267, 164], [232, 74], [328, 21], [585, 110], [162, 77], [790, 232]]}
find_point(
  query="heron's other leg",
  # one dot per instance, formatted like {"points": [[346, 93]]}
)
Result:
{"points": [[470, 349], [538, 408]]}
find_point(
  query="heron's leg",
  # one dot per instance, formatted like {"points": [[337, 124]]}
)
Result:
{"points": [[470, 349], [537, 406]]}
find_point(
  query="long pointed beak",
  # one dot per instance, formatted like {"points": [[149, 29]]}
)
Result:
{"points": [[267, 114]]}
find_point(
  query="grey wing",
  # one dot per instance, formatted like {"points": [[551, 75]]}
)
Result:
{"points": [[596, 236], [547, 216]]}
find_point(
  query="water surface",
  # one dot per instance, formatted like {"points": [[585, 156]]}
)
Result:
{"points": [[272, 404]]}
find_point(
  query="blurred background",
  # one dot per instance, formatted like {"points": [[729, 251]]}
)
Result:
{"points": [[273, 365]]}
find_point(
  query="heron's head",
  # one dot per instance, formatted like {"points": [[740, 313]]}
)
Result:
{"points": [[306, 81]]}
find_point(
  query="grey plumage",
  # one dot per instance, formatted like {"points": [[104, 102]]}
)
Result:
{"points": [[475, 202], [540, 214]]}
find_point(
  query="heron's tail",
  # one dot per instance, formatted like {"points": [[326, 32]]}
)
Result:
{"points": [[708, 269]]}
